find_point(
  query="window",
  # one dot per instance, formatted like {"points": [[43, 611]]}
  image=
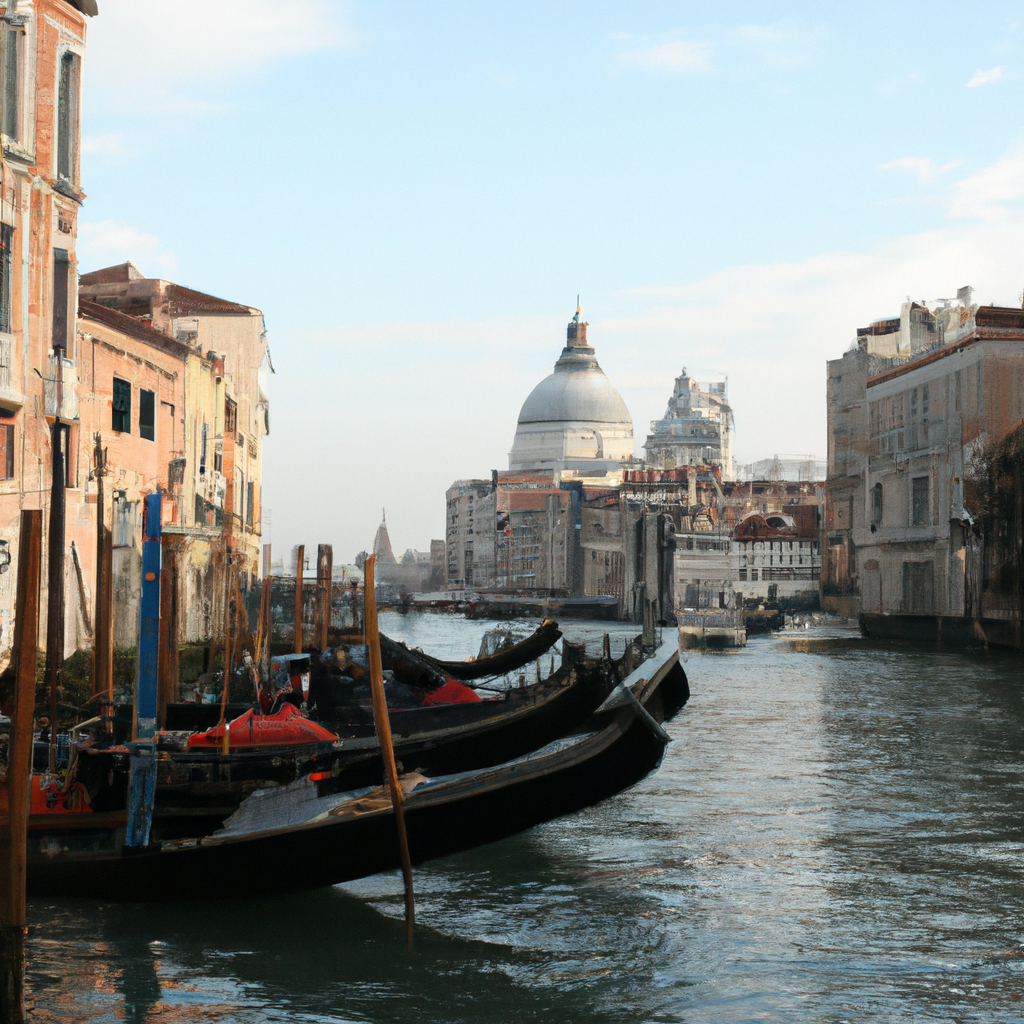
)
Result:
{"points": [[11, 57], [6, 451], [121, 419], [250, 497], [202, 452], [6, 276], [61, 279], [67, 117], [147, 414], [876, 503], [920, 506], [230, 416]]}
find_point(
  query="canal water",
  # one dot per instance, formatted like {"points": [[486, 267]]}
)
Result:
{"points": [[835, 834]]}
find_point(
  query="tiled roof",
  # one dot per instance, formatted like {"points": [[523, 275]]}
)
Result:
{"points": [[133, 328]]}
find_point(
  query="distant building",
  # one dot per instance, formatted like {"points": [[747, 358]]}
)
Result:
{"points": [[416, 572], [574, 423], [696, 429], [925, 472]]}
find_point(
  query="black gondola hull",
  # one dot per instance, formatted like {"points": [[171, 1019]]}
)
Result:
{"points": [[444, 817]]}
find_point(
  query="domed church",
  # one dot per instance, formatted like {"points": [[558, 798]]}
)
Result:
{"points": [[574, 422]]}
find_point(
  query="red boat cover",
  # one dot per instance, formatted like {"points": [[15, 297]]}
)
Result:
{"points": [[451, 693], [286, 728]]}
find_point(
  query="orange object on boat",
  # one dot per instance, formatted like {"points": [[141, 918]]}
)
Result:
{"points": [[253, 731], [451, 693], [49, 798]]}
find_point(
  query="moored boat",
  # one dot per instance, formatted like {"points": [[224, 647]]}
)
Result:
{"points": [[325, 836]]}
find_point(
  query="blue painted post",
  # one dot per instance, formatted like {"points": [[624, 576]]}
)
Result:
{"points": [[143, 780], [149, 621]]}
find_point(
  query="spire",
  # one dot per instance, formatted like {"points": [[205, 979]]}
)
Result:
{"points": [[576, 332], [382, 544]]}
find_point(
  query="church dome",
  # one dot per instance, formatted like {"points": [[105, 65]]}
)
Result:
{"points": [[578, 390], [574, 419]]}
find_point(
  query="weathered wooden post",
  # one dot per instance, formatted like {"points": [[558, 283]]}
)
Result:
{"points": [[14, 829], [229, 600], [324, 571], [143, 778], [103, 647], [167, 686], [300, 557], [383, 725], [55, 567]]}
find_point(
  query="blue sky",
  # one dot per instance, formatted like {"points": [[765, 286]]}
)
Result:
{"points": [[414, 193]]}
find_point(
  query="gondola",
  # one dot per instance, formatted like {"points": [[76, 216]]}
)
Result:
{"points": [[198, 787], [508, 659], [195, 790], [299, 837]]}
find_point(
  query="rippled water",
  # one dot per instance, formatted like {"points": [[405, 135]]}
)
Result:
{"points": [[835, 834]]}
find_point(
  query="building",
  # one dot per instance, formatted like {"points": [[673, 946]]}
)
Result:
{"points": [[42, 48], [925, 416], [512, 532], [416, 572], [226, 411], [574, 423], [696, 429]]}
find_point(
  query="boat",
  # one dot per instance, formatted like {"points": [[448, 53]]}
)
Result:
{"points": [[198, 786], [305, 836], [507, 659]]}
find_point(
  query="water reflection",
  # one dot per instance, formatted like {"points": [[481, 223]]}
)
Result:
{"points": [[834, 835]]}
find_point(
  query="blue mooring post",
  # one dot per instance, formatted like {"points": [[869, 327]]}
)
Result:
{"points": [[143, 782]]}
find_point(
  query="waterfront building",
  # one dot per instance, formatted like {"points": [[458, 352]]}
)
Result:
{"points": [[42, 46], [696, 429], [226, 412], [925, 414]]}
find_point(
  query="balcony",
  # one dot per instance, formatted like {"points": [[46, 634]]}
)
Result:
{"points": [[69, 403]]}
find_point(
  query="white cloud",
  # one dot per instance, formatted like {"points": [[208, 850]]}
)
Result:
{"points": [[679, 57], [984, 77], [107, 242], [785, 45], [143, 54], [921, 166], [771, 327], [983, 195]]}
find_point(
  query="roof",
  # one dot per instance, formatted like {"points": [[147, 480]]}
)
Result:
{"points": [[186, 302], [132, 327], [112, 275], [181, 301], [578, 391]]}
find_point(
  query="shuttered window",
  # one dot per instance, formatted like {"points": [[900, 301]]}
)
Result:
{"points": [[67, 116], [147, 414], [122, 407], [6, 276], [11, 80], [6, 451], [61, 275]]}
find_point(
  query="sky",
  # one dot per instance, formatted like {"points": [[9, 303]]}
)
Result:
{"points": [[415, 193]]}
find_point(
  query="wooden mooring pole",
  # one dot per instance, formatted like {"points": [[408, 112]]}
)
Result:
{"points": [[324, 572], [14, 828], [300, 558], [383, 724]]}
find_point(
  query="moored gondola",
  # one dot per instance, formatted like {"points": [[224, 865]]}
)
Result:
{"points": [[300, 837]]}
